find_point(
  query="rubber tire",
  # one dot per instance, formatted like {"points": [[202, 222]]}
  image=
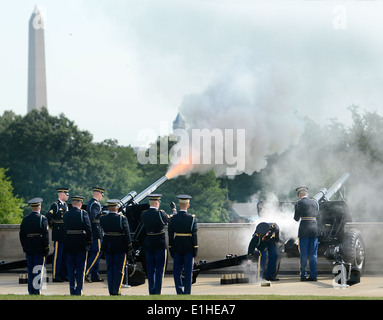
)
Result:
{"points": [[352, 249]]}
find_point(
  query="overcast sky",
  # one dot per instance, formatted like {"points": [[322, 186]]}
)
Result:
{"points": [[117, 67]]}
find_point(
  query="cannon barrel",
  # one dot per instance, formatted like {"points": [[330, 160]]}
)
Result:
{"points": [[134, 198], [325, 195]]}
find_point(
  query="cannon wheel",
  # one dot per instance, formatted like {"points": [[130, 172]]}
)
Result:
{"points": [[353, 250]]}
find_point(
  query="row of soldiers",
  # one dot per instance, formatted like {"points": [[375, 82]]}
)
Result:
{"points": [[76, 232], [55, 216]]}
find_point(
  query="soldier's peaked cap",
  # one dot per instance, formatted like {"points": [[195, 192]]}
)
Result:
{"points": [[35, 202], [78, 198], [112, 202], [155, 196], [299, 189], [98, 189], [262, 228], [184, 198], [62, 189]]}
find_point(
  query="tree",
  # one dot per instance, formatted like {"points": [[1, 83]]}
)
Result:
{"points": [[114, 167], [44, 152], [11, 207], [7, 118]]}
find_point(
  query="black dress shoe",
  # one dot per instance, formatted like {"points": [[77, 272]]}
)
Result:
{"points": [[272, 279], [311, 279], [97, 280]]}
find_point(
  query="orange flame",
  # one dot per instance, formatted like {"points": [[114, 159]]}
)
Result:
{"points": [[181, 168]]}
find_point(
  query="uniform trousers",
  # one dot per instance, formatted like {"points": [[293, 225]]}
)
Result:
{"points": [[76, 263], [308, 249], [94, 259], [59, 268], [183, 262], [271, 252], [155, 267], [35, 267], [115, 266]]}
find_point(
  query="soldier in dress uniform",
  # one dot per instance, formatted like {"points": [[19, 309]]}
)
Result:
{"points": [[183, 245], [264, 244], [116, 245], [154, 221], [55, 216], [77, 241], [94, 210], [307, 210], [34, 238]]}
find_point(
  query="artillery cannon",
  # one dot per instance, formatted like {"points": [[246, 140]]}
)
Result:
{"points": [[130, 206], [336, 242]]}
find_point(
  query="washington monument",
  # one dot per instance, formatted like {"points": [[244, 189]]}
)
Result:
{"points": [[37, 86]]}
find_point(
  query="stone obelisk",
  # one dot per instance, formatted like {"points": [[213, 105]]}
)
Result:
{"points": [[37, 86]]}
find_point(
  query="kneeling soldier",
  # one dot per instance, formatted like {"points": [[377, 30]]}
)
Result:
{"points": [[116, 245], [264, 241], [183, 245], [34, 239]]}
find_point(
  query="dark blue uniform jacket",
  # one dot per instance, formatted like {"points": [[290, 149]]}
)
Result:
{"points": [[55, 216], [78, 231], [183, 233], [306, 210], [117, 237], [154, 221], [34, 236], [262, 241], [94, 210]]}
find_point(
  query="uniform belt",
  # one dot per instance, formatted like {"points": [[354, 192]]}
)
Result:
{"points": [[58, 221], [75, 232], [155, 233], [182, 234], [96, 221], [32, 235], [309, 218], [114, 234]]}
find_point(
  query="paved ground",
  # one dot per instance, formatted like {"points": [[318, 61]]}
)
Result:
{"points": [[209, 284]]}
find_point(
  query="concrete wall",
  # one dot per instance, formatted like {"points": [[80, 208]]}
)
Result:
{"points": [[216, 240]]}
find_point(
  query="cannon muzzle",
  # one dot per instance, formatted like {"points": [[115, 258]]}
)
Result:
{"points": [[325, 195], [134, 198]]}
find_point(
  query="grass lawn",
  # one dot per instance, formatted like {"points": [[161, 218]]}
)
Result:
{"points": [[181, 298]]}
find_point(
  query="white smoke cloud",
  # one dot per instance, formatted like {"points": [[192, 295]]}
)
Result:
{"points": [[250, 97], [282, 215]]}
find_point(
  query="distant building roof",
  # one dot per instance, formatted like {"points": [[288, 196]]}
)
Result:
{"points": [[245, 209], [179, 122]]}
